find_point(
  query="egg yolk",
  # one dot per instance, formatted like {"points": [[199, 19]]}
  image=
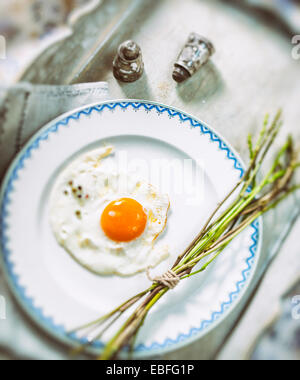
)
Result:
{"points": [[124, 220]]}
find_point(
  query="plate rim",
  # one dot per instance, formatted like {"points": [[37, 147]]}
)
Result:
{"points": [[169, 345]]}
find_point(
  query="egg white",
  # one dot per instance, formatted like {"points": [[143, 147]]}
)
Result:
{"points": [[79, 197]]}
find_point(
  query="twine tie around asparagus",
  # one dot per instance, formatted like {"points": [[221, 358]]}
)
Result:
{"points": [[169, 279]]}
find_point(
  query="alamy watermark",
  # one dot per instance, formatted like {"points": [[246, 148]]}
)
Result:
{"points": [[296, 308], [2, 47], [2, 308], [181, 177], [296, 48]]}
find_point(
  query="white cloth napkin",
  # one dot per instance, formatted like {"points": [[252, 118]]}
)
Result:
{"points": [[24, 109]]}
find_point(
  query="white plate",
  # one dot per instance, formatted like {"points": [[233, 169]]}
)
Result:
{"points": [[56, 291]]}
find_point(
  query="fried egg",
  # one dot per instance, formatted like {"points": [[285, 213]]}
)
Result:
{"points": [[108, 221]]}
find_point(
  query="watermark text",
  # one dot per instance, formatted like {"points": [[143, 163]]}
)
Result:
{"points": [[180, 177], [296, 48], [2, 47], [2, 308], [296, 308]]}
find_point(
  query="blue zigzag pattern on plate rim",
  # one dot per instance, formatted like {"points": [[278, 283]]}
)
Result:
{"points": [[4, 212]]}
